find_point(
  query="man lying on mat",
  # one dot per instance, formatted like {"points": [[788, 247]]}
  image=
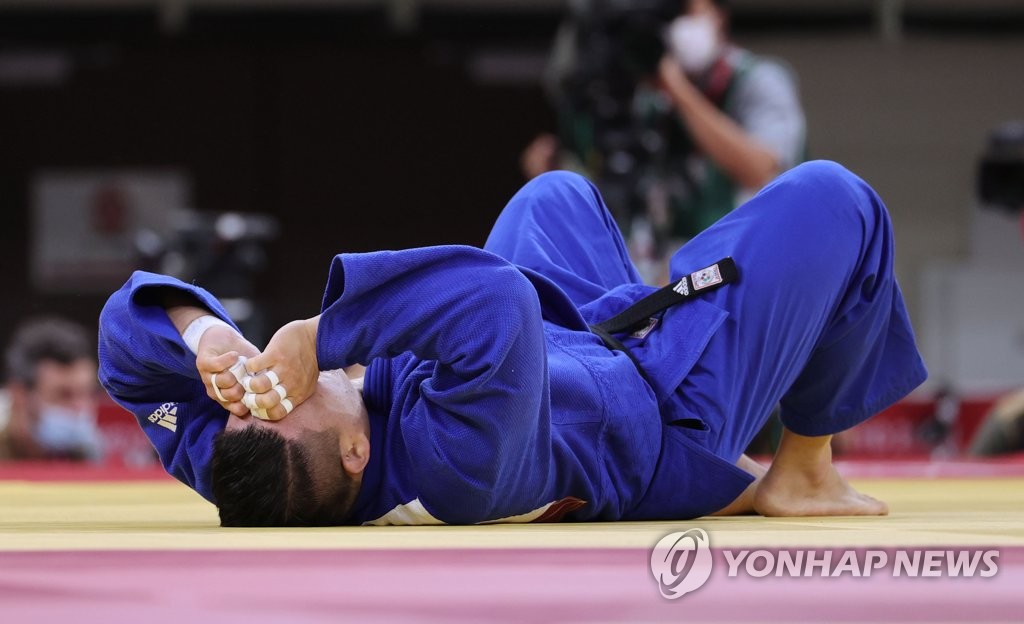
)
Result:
{"points": [[504, 385]]}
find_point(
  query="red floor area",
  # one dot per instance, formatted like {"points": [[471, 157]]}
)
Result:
{"points": [[1009, 466], [463, 586], [67, 471]]}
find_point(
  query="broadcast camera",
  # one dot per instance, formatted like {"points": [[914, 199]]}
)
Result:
{"points": [[1001, 171], [617, 44], [222, 251]]}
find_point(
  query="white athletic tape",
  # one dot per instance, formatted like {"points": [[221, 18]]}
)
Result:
{"points": [[260, 413], [195, 330], [249, 400], [238, 368], [274, 379], [216, 388], [281, 392], [287, 405], [247, 383]]}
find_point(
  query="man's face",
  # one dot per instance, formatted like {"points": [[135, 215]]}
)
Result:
{"points": [[71, 387], [701, 7], [697, 37], [706, 9], [335, 411], [55, 415]]}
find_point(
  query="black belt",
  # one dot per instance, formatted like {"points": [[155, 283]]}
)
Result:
{"points": [[638, 319]]}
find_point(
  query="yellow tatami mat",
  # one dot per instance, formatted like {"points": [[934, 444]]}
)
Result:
{"points": [[166, 515]]}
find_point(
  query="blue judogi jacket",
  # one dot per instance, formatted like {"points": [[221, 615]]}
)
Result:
{"points": [[488, 396]]}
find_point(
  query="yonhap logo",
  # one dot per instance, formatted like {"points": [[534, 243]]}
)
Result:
{"points": [[681, 562]]}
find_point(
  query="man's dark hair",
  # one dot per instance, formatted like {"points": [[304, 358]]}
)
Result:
{"points": [[44, 339], [260, 479]]}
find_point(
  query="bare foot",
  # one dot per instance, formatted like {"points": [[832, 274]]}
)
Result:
{"points": [[803, 482], [799, 491], [744, 503]]}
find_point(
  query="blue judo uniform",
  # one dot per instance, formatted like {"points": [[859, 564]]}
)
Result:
{"points": [[490, 399]]}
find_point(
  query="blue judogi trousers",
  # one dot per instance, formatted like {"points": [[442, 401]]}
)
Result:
{"points": [[816, 321]]}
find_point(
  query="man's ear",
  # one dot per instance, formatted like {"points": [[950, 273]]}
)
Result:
{"points": [[355, 457]]}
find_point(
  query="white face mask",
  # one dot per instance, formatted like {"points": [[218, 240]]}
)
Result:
{"points": [[694, 42], [68, 431]]}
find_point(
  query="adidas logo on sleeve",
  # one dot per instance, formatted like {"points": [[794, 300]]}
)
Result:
{"points": [[166, 416]]}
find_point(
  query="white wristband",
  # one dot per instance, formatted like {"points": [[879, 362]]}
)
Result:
{"points": [[195, 330]]}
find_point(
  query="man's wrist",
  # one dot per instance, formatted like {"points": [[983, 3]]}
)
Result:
{"points": [[684, 93], [193, 333], [182, 315], [313, 324], [312, 327]]}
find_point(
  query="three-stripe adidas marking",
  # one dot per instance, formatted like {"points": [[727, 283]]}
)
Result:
{"points": [[166, 416]]}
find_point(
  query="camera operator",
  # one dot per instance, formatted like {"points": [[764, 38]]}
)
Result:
{"points": [[1000, 186], [742, 112], [676, 123]]}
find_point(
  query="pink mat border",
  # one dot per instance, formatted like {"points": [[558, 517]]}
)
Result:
{"points": [[462, 586]]}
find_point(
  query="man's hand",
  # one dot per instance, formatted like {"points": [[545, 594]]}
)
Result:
{"points": [[671, 77], [219, 349], [540, 156], [748, 164], [291, 357], [216, 352]]}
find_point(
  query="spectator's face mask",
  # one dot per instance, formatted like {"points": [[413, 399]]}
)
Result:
{"points": [[63, 400], [694, 41], [67, 431]]}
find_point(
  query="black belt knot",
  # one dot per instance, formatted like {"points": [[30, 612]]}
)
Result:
{"points": [[638, 317]]}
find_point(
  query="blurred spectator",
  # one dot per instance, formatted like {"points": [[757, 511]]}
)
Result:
{"points": [[49, 411], [712, 122], [1002, 431], [1000, 186]]}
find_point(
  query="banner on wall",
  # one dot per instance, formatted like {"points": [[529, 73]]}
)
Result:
{"points": [[85, 224]]}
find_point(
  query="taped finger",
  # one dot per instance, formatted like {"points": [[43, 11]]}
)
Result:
{"points": [[249, 400], [281, 392], [238, 368], [216, 388], [287, 405], [272, 376], [260, 413]]}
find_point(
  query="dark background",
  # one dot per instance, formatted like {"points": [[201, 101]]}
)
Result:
{"points": [[359, 134], [355, 138]]}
